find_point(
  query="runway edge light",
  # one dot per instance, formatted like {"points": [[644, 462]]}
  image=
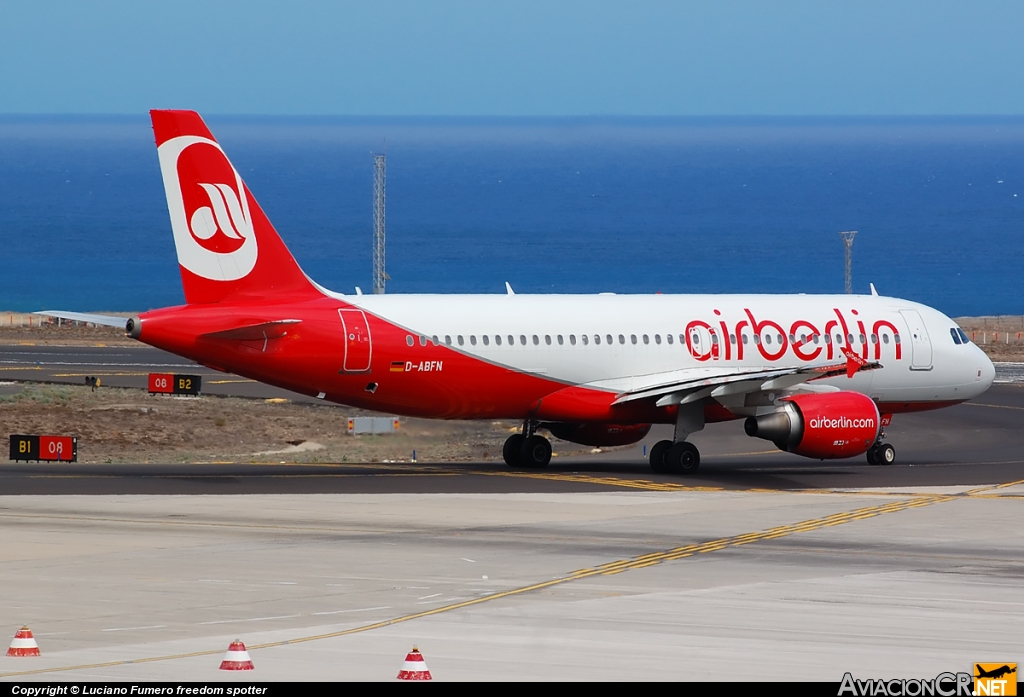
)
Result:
{"points": [[236, 658], [414, 667], [24, 644]]}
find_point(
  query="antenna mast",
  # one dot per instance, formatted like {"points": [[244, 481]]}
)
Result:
{"points": [[379, 174], [848, 243]]}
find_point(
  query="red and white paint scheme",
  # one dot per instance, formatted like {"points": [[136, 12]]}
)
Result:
{"points": [[24, 644], [818, 375]]}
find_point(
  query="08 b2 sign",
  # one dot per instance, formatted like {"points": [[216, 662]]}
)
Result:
{"points": [[165, 383]]}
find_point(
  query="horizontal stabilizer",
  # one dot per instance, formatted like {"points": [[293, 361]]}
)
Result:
{"points": [[105, 320], [254, 332]]}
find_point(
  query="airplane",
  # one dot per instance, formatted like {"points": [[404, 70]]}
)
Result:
{"points": [[817, 375], [995, 673]]}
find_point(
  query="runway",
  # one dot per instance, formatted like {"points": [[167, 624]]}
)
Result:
{"points": [[763, 566]]}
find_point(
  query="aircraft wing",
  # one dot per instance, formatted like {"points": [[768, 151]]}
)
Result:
{"points": [[689, 385], [105, 320]]}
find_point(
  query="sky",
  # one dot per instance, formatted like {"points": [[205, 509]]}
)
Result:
{"points": [[518, 58]]}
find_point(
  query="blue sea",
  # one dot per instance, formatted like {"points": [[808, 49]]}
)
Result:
{"points": [[567, 205]]}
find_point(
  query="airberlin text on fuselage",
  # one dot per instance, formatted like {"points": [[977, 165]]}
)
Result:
{"points": [[808, 340]]}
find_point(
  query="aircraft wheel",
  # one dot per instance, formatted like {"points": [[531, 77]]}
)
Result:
{"points": [[658, 452], [535, 453], [872, 455], [682, 458], [886, 454], [512, 450]]}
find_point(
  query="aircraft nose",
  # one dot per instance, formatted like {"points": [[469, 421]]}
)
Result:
{"points": [[985, 372]]}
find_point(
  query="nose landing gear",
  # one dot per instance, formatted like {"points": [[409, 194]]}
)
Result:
{"points": [[527, 449], [881, 454]]}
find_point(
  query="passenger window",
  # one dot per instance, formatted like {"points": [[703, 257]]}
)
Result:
{"points": [[669, 339], [839, 338], [814, 338], [511, 340], [744, 338], [409, 340], [497, 339], [828, 339], [461, 342], [849, 338], [757, 339], [682, 339], [863, 339], [714, 339], [472, 339], [486, 339], [646, 340], [896, 338], [522, 339], [632, 337], [768, 339], [572, 339], [583, 337], [885, 338], [536, 340], [597, 338], [547, 339], [792, 339], [657, 338], [423, 340], [622, 339], [732, 339], [779, 337], [874, 338], [560, 341], [608, 338], [434, 340], [956, 337], [448, 339]]}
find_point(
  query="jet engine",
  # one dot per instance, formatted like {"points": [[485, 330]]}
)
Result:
{"points": [[598, 434], [823, 426]]}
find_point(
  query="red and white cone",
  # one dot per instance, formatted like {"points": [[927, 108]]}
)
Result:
{"points": [[24, 644], [237, 658], [414, 668]]}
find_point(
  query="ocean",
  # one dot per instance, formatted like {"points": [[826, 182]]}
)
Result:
{"points": [[566, 205]]}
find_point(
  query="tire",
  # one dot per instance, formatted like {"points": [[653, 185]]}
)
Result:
{"points": [[535, 452], [512, 450], [872, 456], [886, 454], [683, 458], [658, 452]]}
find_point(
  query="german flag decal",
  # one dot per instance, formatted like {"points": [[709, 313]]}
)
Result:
{"points": [[397, 366]]}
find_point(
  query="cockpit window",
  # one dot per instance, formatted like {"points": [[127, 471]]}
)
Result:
{"points": [[956, 336], [963, 335]]}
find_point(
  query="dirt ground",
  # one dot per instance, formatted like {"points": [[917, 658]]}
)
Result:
{"points": [[127, 425]]}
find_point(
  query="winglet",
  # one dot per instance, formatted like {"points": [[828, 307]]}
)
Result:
{"points": [[508, 289], [873, 291], [853, 362]]}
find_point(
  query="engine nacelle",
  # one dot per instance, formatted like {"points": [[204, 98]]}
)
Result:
{"points": [[824, 426], [599, 434]]}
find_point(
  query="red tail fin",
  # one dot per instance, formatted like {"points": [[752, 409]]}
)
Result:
{"points": [[227, 249]]}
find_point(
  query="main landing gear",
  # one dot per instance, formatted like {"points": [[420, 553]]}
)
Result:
{"points": [[679, 456], [674, 458], [527, 449]]}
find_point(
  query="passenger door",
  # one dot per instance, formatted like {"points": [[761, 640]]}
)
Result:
{"points": [[358, 348]]}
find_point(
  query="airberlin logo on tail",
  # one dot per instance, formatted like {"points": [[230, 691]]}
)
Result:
{"points": [[209, 209]]}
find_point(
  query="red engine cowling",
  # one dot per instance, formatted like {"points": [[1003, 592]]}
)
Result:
{"points": [[824, 426], [599, 434]]}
